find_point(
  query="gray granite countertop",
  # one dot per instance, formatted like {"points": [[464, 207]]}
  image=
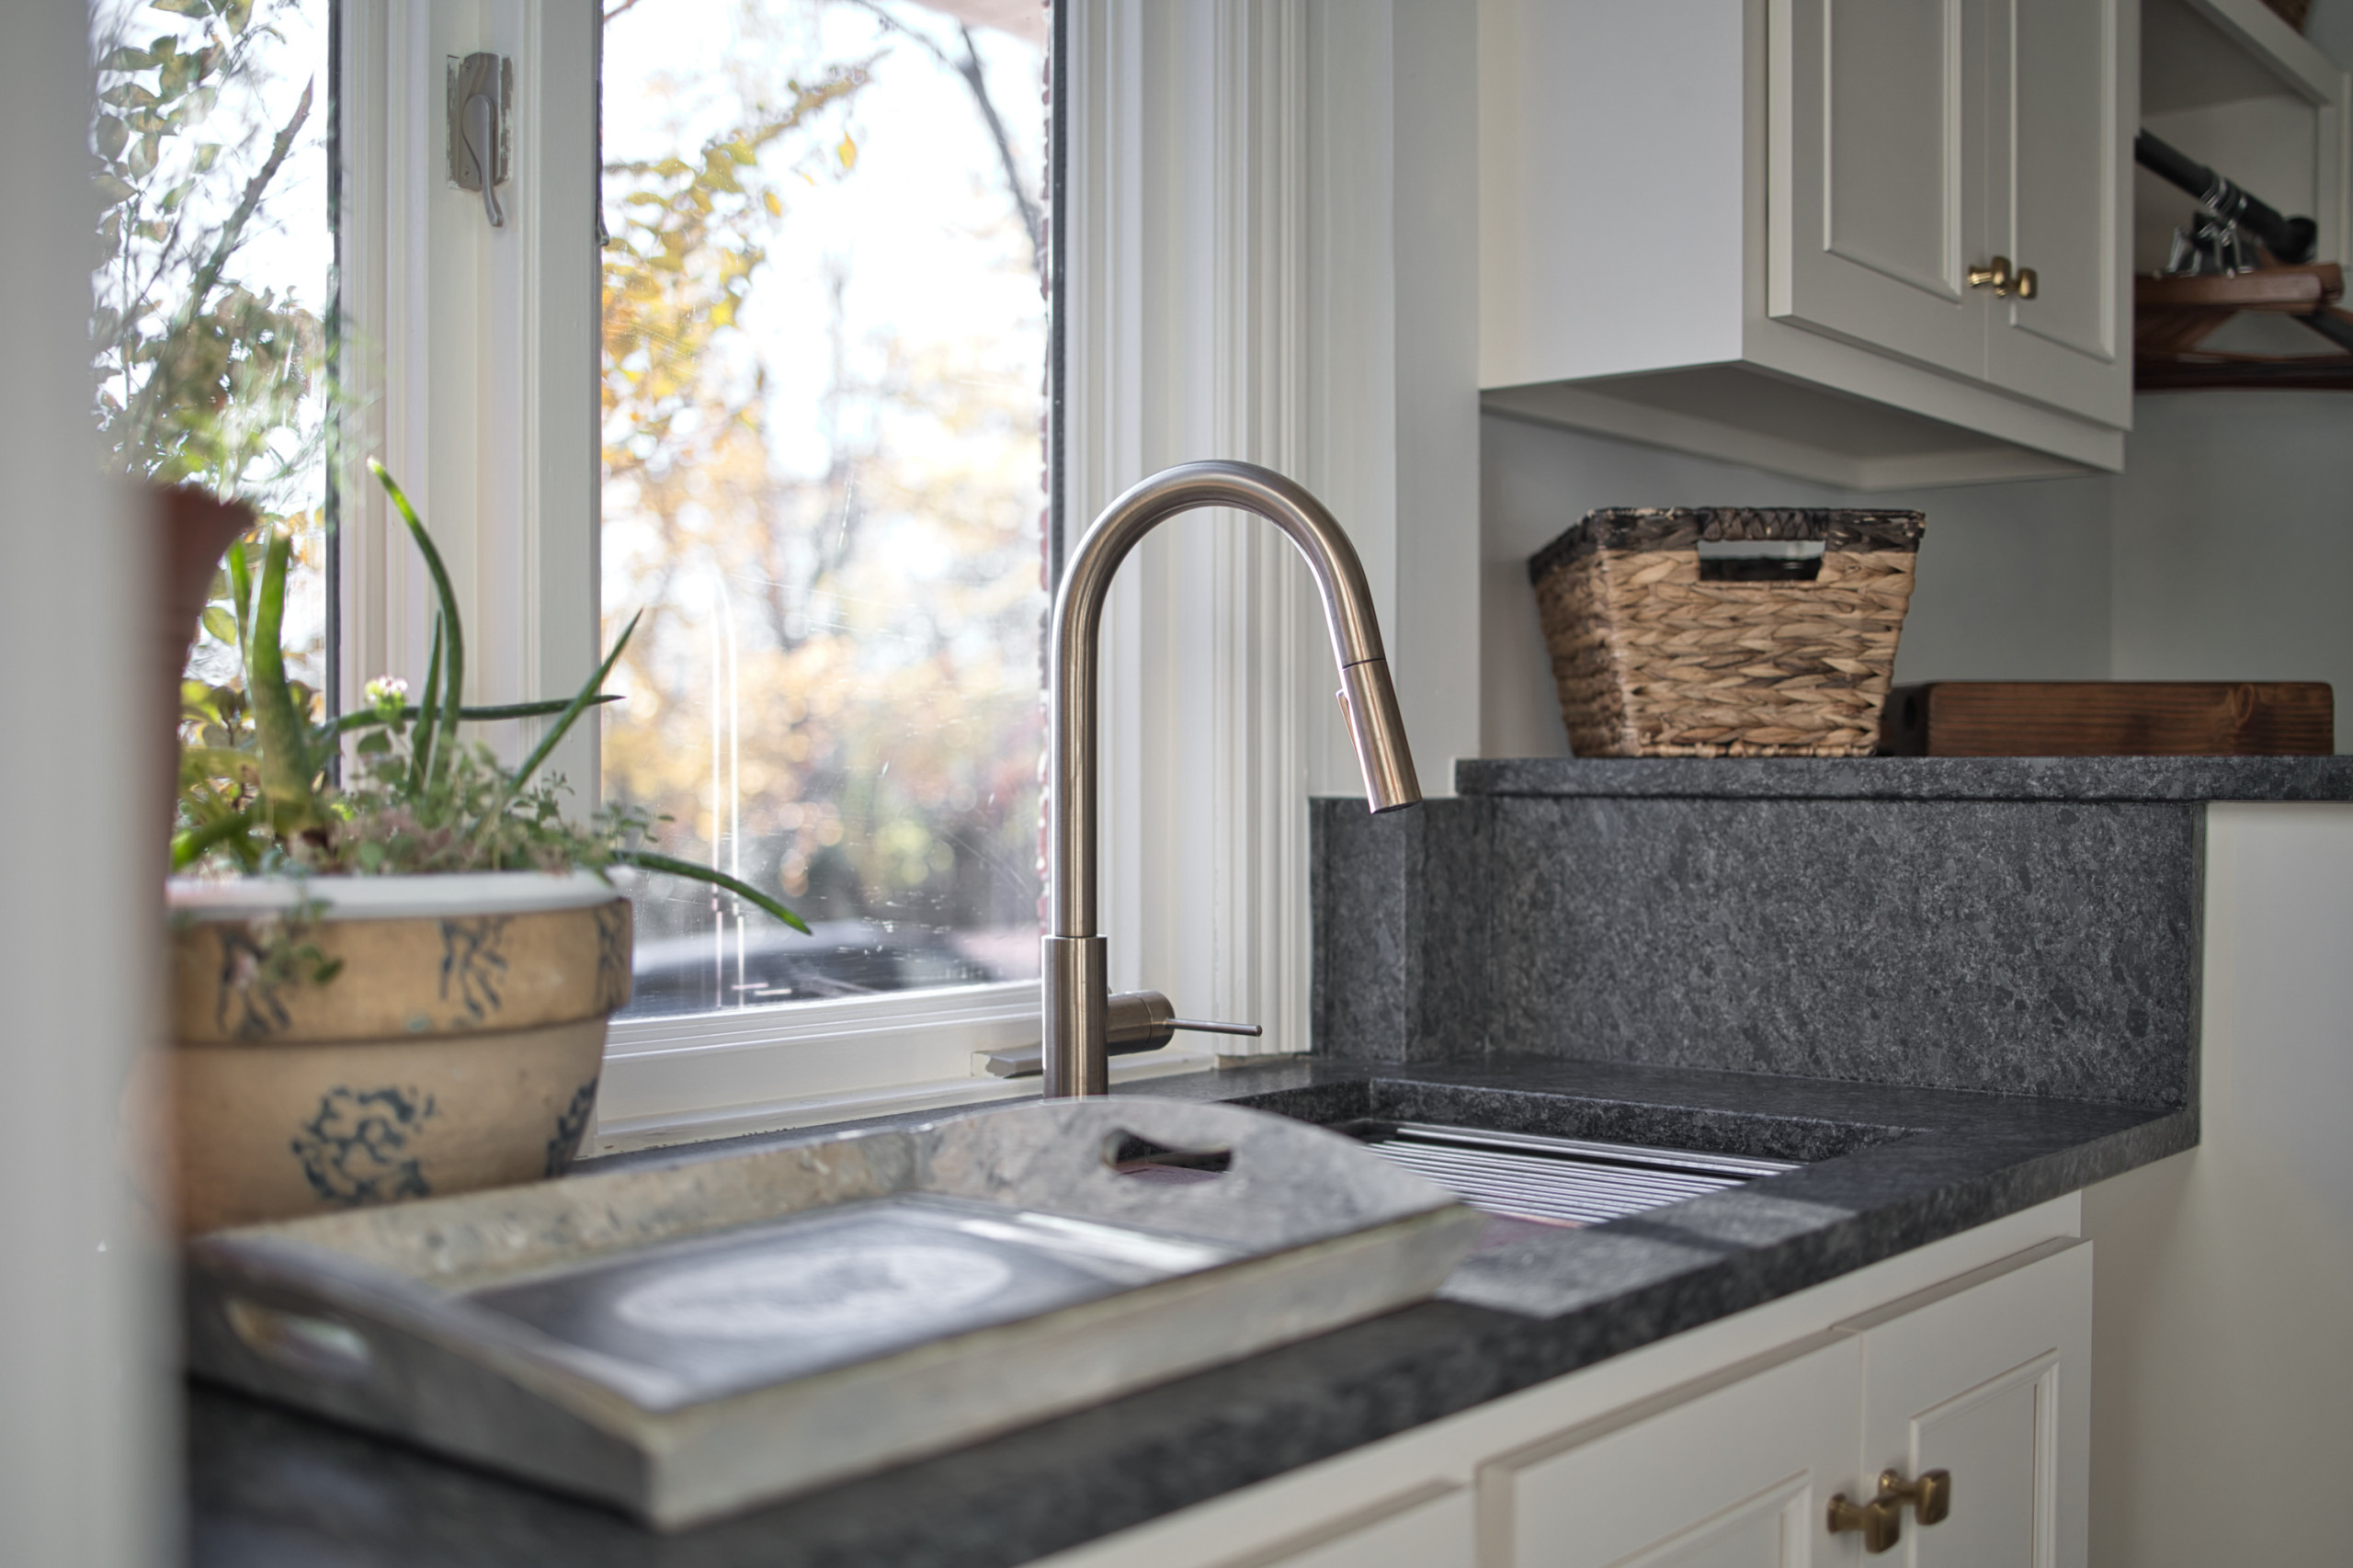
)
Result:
{"points": [[1916, 778], [1892, 1168]]}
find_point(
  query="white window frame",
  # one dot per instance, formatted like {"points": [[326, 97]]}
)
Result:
{"points": [[1307, 187]]}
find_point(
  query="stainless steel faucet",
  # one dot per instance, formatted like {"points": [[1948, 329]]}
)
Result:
{"points": [[1078, 1004]]}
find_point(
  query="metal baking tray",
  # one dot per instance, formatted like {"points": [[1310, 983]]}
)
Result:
{"points": [[689, 1340]]}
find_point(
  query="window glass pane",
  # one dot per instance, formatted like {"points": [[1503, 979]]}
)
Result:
{"points": [[212, 287], [825, 342]]}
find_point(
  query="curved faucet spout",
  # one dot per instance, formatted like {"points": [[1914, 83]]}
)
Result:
{"points": [[1075, 991]]}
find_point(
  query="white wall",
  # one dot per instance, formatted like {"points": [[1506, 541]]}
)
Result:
{"points": [[2014, 579], [2223, 551], [2221, 1373], [2233, 542], [86, 1442]]}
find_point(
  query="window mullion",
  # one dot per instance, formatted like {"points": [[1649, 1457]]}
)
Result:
{"points": [[470, 355]]}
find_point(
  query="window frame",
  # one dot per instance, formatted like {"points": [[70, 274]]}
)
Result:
{"points": [[494, 323], [1263, 248]]}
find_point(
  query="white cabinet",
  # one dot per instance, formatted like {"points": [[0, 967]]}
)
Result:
{"points": [[1980, 1372], [1749, 230], [1432, 1532], [1987, 1380], [1878, 171], [1982, 1379], [1917, 143], [2058, 194], [1737, 1477]]}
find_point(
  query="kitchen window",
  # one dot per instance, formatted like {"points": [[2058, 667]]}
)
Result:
{"points": [[473, 366], [808, 239], [822, 383]]}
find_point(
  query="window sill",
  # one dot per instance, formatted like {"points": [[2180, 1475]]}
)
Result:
{"points": [[710, 1075]]}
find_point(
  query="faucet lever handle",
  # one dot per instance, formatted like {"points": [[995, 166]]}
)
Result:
{"points": [[1137, 1021], [1143, 1020], [1202, 1026]]}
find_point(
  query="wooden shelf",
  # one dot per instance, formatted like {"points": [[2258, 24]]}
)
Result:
{"points": [[2174, 318]]}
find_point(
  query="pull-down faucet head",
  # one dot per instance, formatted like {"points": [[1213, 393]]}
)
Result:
{"points": [[1075, 991]]}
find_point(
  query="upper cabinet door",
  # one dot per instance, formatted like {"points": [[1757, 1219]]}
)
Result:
{"points": [[2059, 106], [1876, 185]]}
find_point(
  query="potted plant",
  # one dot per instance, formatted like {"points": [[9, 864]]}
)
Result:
{"points": [[393, 957]]}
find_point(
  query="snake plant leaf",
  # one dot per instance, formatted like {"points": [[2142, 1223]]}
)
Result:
{"points": [[420, 762], [370, 718], [453, 672], [241, 590], [577, 706], [647, 860], [286, 770]]}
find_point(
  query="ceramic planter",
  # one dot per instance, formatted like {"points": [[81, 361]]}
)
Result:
{"points": [[458, 1048]]}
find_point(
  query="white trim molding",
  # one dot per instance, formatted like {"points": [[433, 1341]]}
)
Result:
{"points": [[801, 1063], [1272, 244], [470, 355]]}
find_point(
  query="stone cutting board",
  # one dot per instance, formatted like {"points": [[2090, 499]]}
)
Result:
{"points": [[687, 1341]]}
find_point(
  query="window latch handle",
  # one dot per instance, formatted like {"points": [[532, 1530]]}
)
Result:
{"points": [[480, 87]]}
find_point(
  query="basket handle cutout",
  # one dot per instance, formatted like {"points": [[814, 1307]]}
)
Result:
{"points": [[1132, 1155], [1760, 560]]}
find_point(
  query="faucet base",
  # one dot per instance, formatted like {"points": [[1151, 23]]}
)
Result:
{"points": [[1075, 975]]}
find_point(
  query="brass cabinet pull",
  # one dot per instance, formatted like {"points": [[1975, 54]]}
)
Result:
{"points": [[1930, 1496], [1998, 275], [1881, 1520], [2029, 284]]}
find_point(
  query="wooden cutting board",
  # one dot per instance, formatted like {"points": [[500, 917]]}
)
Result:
{"points": [[2110, 717]]}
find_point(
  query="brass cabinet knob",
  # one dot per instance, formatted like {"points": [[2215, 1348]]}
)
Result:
{"points": [[1930, 1496], [1881, 1520], [2029, 284], [1998, 276]]}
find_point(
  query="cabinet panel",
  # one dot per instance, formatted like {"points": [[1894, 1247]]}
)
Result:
{"points": [[1992, 1384], [1876, 179], [2057, 154], [1435, 1534], [1736, 1477], [2000, 1436]]}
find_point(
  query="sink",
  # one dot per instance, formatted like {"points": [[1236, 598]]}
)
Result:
{"points": [[1557, 1181]]}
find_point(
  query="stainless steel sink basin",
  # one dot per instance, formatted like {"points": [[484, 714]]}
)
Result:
{"points": [[1558, 1181]]}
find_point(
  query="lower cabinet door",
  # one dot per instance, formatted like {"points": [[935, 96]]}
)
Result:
{"points": [[1990, 1384], [1736, 1476]]}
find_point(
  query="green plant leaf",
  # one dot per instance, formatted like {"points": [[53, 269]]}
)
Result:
{"points": [[577, 706], [188, 846], [649, 861], [286, 767], [240, 589], [221, 623], [369, 718], [216, 762], [420, 765], [453, 674]]}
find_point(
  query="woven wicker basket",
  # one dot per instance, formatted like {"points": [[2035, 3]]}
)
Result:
{"points": [[1654, 657]]}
